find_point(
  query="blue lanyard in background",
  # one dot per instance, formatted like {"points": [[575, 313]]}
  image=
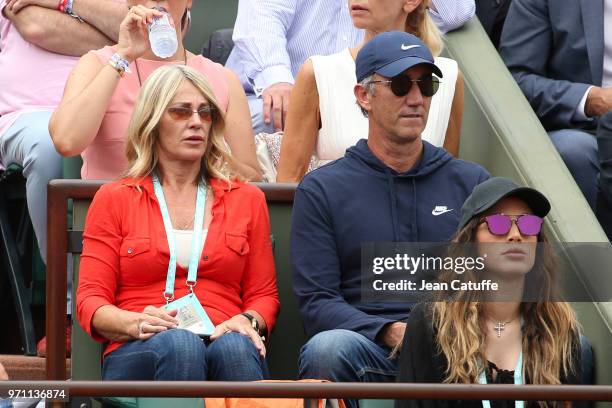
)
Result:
{"points": [[196, 239]]}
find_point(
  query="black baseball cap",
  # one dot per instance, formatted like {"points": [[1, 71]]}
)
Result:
{"points": [[488, 193], [391, 53]]}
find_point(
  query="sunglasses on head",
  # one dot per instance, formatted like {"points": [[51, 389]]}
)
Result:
{"points": [[500, 224], [206, 113], [402, 84]]}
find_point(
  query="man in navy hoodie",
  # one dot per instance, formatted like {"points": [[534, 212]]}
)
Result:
{"points": [[391, 187]]}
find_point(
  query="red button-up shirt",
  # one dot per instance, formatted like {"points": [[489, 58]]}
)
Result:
{"points": [[125, 255]]}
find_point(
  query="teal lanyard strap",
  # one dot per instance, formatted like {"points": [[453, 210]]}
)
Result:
{"points": [[518, 380], [196, 239]]}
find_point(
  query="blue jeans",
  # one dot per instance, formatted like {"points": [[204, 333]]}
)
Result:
{"points": [[345, 356], [28, 143], [179, 355]]}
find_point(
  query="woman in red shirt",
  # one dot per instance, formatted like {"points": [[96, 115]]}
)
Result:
{"points": [[177, 271]]}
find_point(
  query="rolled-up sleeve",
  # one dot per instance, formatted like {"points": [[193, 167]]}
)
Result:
{"points": [[452, 14], [260, 40], [99, 267], [259, 290]]}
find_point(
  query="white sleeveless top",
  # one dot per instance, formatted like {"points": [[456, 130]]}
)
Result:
{"points": [[183, 245], [343, 124]]}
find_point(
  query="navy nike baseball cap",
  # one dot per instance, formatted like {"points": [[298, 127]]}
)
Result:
{"points": [[391, 53]]}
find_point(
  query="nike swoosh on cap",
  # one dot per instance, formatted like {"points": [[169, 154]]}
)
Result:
{"points": [[407, 47]]}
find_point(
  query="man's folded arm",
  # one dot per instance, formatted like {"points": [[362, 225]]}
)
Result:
{"points": [[55, 31]]}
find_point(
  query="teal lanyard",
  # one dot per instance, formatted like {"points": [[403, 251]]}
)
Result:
{"points": [[518, 380], [196, 239]]}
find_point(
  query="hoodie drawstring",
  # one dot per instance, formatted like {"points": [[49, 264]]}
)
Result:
{"points": [[392, 200], [415, 229]]}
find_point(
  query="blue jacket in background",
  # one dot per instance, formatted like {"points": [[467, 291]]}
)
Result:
{"points": [[359, 199]]}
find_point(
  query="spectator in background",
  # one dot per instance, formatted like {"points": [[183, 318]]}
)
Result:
{"points": [[273, 38], [93, 115], [390, 187], [492, 15], [560, 53], [325, 117], [39, 47], [604, 150]]}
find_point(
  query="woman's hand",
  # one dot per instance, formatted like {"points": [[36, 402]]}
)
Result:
{"points": [[133, 33], [240, 324], [152, 320]]}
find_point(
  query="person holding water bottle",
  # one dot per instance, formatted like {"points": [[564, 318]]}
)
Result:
{"points": [[93, 115]]}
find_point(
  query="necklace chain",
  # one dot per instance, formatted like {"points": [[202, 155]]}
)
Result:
{"points": [[186, 225], [138, 71]]}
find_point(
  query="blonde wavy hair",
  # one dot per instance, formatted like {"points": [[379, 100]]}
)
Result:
{"points": [[419, 23], [550, 329], [143, 131]]}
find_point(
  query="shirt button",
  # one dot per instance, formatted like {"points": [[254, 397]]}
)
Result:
{"points": [[130, 250], [344, 38]]}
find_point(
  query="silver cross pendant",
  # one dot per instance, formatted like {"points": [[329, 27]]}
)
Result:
{"points": [[499, 326]]}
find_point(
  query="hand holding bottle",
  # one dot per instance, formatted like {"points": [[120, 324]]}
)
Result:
{"points": [[133, 32]]}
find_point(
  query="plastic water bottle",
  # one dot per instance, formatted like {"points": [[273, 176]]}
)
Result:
{"points": [[162, 35]]}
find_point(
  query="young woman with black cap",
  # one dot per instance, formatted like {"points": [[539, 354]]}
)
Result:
{"points": [[464, 339]]}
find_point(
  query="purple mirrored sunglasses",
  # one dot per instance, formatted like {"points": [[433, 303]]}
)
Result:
{"points": [[500, 224]]}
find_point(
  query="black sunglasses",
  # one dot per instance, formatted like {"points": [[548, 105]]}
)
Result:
{"points": [[402, 84]]}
